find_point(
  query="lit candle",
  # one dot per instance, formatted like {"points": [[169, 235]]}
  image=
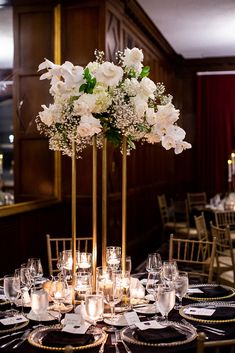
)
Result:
{"points": [[68, 264], [58, 295], [233, 162], [84, 261], [229, 170], [138, 293]]}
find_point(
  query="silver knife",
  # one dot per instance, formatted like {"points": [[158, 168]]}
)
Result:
{"points": [[22, 339], [12, 334], [15, 339]]}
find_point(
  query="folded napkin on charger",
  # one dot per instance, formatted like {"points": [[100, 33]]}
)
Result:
{"points": [[62, 339], [166, 334], [212, 292]]}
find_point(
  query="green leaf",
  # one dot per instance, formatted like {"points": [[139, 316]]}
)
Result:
{"points": [[130, 143], [82, 87], [145, 71]]}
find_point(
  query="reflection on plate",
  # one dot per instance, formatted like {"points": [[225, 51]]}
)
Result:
{"points": [[36, 337], [118, 320], [12, 328], [217, 292], [48, 316], [224, 312], [147, 309], [190, 332]]}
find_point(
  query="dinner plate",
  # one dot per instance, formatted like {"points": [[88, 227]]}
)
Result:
{"points": [[36, 338], [127, 334], [210, 286], [48, 316], [222, 308], [146, 309], [118, 320]]}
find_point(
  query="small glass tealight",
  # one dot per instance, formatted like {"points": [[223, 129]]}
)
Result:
{"points": [[113, 257], [84, 261], [83, 285]]}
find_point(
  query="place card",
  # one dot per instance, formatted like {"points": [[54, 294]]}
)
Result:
{"points": [[18, 319], [199, 311], [131, 317], [194, 290], [73, 319], [76, 328], [144, 325]]}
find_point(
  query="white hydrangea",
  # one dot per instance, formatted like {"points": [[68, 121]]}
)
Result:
{"points": [[88, 126], [147, 88]]}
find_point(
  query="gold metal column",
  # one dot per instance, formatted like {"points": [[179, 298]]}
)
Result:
{"points": [[124, 200], [57, 60], [94, 210], [104, 201], [74, 225]]}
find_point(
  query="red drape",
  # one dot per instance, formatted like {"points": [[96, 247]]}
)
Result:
{"points": [[215, 131]]}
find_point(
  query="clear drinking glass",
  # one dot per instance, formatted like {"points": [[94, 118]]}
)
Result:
{"points": [[181, 287], [59, 293], [113, 257], [166, 299], [39, 303], [11, 285], [94, 305], [128, 264], [83, 285], [154, 262], [35, 268], [169, 270], [153, 281]]}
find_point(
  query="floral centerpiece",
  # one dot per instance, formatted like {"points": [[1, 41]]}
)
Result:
{"points": [[108, 100]]}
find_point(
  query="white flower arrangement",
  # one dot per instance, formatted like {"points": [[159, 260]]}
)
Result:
{"points": [[108, 100]]}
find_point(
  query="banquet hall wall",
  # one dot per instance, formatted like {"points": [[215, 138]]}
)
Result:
{"points": [[88, 25]]}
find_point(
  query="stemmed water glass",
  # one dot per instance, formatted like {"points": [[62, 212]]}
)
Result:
{"points": [[166, 299], [11, 285], [181, 287], [154, 262], [39, 303], [22, 274], [153, 281], [59, 293], [169, 270], [35, 268], [94, 305]]}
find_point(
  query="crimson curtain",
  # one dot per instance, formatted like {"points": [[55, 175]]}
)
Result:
{"points": [[215, 131]]}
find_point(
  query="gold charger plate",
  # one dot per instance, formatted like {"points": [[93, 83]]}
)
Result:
{"points": [[208, 305], [127, 334], [36, 336], [210, 285]]}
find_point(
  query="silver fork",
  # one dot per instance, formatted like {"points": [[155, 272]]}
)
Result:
{"points": [[119, 339], [114, 342]]}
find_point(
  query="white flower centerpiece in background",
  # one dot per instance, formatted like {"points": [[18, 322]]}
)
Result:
{"points": [[108, 100]]}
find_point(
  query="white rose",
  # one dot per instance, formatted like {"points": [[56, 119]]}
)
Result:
{"points": [[84, 105], [147, 87], [167, 114], [109, 74], [50, 115], [133, 58], [88, 126]]}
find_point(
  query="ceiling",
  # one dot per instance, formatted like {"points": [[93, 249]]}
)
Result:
{"points": [[195, 28]]}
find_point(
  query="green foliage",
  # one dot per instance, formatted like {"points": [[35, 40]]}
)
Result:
{"points": [[88, 87], [145, 71]]}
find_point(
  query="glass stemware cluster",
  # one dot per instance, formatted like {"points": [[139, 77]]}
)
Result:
{"points": [[165, 282]]}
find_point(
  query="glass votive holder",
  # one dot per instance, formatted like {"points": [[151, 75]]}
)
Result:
{"points": [[67, 260], [113, 257], [103, 274], [94, 306], [82, 285], [128, 264], [84, 261]]}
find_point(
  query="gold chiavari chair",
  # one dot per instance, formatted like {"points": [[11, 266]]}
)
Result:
{"points": [[224, 218], [195, 256], [200, 224], [225, 256], [196, 199], [218, 346], [57, 245]]}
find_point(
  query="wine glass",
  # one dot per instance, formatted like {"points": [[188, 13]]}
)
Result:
{"points": [[11, 285], [181, 287], [94, 305], [35, 268], [22, 274], [128, 264], [166, 299], [169, 270], [154, 262], [39, 303], [153, 281]]}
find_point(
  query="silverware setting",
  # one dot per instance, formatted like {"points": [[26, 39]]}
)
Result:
{"points": [[119, 339], [21, 340], [12, 334], [114, 342], [213, 330], [101, 350]]}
